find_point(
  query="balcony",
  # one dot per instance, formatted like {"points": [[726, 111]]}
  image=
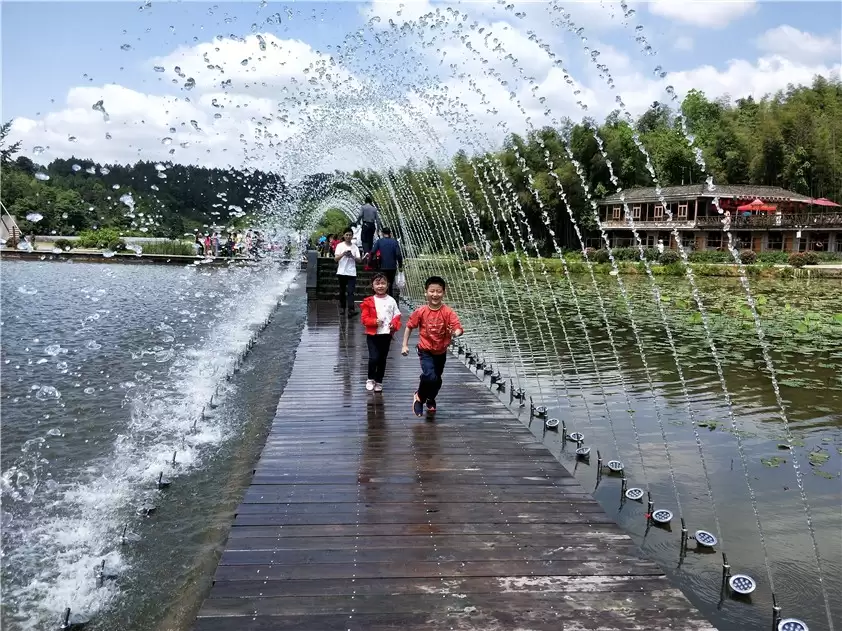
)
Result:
{"points": [[768, 221], [640, 224]]}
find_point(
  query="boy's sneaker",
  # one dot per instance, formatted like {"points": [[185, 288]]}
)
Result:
{"points": [[378, 387], [369, 385], [417, 405], [431, 405]]}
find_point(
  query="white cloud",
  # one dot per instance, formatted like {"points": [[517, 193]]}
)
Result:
{"points": [[797, 45], [705, 13], [743, 78], [291, 109], [683, 42]]}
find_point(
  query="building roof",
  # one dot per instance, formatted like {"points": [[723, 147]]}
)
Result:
{"points": [[737, 191]]}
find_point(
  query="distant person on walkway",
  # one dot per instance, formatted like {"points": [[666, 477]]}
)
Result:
{"points": [[381, 318], [391, 257], [437, 324], [347, 255], [369, 217]]}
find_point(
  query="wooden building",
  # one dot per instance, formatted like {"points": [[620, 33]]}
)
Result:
{"points": [[780, 220]]}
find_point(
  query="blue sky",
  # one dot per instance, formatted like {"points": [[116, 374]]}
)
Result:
{"points": [[49, 47]]}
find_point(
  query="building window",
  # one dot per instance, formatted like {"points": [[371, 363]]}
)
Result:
{"points": [[635, 212], [775, 241], [682, 211], [659, 211], [616, 212], [714, 241]]}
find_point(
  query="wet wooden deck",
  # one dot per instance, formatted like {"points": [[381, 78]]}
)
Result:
{"points": [[361, 516]]}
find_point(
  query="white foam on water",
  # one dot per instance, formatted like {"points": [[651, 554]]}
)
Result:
{"points": [[65, 540]]}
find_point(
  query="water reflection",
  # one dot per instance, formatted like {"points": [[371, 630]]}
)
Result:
{"points": [[601, 410]]}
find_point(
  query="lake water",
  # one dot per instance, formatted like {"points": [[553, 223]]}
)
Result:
{"points": [[106, 368], [610, 397], [137, 352]]}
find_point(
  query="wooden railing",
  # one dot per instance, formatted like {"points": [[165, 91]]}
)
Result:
{"points": [[660, 224], [800, 220]]}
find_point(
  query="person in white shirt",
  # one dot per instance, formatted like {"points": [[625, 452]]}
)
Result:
{"points": [[347, 255]]}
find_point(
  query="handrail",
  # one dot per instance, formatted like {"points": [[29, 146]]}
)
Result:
{"points": [[800, 220]]}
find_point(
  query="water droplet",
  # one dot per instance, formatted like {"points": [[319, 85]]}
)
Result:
{"points": [[71, 138], [99, 107], [126, 47], [158, 68], [34, 217], [166, 141], [42, 176], [37, 150], [47, 393]]}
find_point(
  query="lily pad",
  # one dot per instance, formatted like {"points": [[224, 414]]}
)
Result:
{"points": [[823, 474], [711, 425], [819, 457], [774, 461]]}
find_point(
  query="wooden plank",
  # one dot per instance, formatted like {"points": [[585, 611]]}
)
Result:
{"points": [[362, 517]]}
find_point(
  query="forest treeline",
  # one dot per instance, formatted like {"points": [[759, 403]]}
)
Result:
{"points": [[166, 199], [792, 139]]}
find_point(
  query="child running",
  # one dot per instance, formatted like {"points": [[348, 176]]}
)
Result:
{"points": [[381, 317], [436, 324]]}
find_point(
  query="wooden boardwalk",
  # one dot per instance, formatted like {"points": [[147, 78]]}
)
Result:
{"points": [[362, 517]]}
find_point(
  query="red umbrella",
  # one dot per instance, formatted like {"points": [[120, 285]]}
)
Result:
{"points": [[823, 201], [757, 205]]}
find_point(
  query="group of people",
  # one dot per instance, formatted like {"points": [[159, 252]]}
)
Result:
{"points": [[437, 323], [386, 253], [235, 244]]}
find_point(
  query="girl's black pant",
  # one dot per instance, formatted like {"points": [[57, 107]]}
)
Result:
{"points": [[378, 351]]}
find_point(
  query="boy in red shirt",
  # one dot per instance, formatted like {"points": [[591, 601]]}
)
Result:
{"points": [[436, 324]]}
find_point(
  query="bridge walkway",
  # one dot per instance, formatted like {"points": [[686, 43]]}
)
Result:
{"points": [[361, 516]]}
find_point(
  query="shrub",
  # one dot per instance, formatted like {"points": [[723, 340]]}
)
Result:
{"points": [[105, 238], [172, 247], [469, 252], [748, 257], [588, 253], [810, 258], [773, 257], [626, 254], [600, 256], [796, 259], [669, 257], [651, 254], [829, 256], [65, 245], [708, 256]]}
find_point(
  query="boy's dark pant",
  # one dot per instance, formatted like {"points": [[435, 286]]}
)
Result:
{"points": [[367, 236], [432, 366], [378, 351], [347, 285]]}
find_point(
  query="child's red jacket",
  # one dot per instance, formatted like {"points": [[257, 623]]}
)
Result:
{"points": [[368, 316]]}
